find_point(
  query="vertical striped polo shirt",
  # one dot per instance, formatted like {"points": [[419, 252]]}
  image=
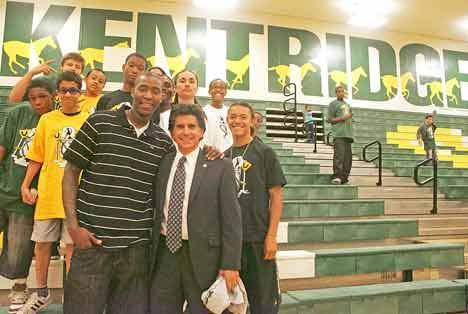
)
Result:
{"points": [[114, 197]]}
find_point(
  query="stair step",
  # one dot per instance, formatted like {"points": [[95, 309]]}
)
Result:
{"points": [[298, 167], [359, 171], [332, 208], [341, 262], [418, 206], [346, 230], [454, 191], [440, 296], [396, 192], [444, 231], [443, 222], [323, 192]]}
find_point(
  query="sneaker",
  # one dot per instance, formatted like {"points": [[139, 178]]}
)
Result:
{"points": [[35, 304], [336, 181], [17, 300]]}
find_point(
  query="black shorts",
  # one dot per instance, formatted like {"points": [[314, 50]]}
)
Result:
{"points": [[260, 278]]}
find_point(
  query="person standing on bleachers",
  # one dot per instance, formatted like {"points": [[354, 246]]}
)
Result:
{"points": [[309, 124], [71, 62], [16, 218], [260, 182], [95, 81], [54, 133], [340, 116], [218, 133], [426, 136], [134, 65]]}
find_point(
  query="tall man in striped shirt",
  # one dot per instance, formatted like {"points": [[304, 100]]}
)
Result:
{"points": [[109, 214]]}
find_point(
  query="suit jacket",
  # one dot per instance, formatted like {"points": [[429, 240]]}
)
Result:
{"points": [[213, 217]]}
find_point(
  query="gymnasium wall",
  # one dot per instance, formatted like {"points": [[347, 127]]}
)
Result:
{"points": [[257, 54]]}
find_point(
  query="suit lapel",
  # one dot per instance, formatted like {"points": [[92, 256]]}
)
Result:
{"points": [[165, 171], [198, 175]]}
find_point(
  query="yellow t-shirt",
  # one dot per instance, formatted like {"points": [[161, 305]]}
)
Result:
{"points": [[54, 133], [88, 104]]}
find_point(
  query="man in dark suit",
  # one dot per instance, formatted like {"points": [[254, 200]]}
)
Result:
{"points": [[197, 232]]}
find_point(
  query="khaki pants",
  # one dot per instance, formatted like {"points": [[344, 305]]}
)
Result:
{"points": [[342, 158]]}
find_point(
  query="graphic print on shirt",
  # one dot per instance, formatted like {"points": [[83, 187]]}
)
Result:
{"points": [[20, 152], [63, 139], [241, 166], [223, 126], [345, 109]]}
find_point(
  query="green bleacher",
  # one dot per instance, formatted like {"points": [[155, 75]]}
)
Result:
{"points": [[335, 245], [328, 229]]}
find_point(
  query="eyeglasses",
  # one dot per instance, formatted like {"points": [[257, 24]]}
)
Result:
{"points": [[71, 90]]}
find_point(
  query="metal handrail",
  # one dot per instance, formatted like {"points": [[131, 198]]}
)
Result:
{"points": [[379, 157], [434, 180], [315, 137], [291, 111], [328, 138]]}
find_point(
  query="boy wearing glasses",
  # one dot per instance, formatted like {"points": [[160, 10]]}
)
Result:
{"points": [[54, 133]]}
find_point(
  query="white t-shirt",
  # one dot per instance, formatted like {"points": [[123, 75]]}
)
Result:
{"points": [[164, 120], [217, 132]]}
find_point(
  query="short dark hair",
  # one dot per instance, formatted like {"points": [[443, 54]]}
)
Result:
{"points": [[338, 87], [40, 83], [216, 80], [146, 74], [243, 104], [187, 110], [69, 77], [429, 115], [97, 70], [136, 55], [259, 113], [158, 68], [75, 56]]}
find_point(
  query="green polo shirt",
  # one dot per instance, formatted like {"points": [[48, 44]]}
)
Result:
{"points": [[16, 135], [343, 129]]}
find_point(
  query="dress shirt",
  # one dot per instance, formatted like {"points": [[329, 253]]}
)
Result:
{"points": [[189, 172]]}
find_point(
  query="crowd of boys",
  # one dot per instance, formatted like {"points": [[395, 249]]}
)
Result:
{"points": [[147, 219]]}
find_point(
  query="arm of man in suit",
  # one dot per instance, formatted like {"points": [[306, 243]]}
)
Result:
{"points": [[276, 207], [231, 227]]}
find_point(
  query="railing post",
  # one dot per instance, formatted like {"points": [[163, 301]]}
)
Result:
{"points": [[379, 157], [288, 111], [434, 185], [434, 180], [379, 183], [315, 137]]}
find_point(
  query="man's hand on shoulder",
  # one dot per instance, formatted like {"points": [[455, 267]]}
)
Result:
{"points": [[212, 153]]}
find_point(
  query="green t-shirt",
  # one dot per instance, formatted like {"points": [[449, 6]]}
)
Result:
{"points": [[16, 135], [341, 129]]}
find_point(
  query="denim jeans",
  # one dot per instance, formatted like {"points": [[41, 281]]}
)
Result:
{"points": [[309, 131], [116, 281], [18, 248]]}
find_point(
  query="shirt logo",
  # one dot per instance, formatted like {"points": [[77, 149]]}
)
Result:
{"points": [[223, 126], [63, 140], [345, 109], [241, 166], [20, 152]]}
